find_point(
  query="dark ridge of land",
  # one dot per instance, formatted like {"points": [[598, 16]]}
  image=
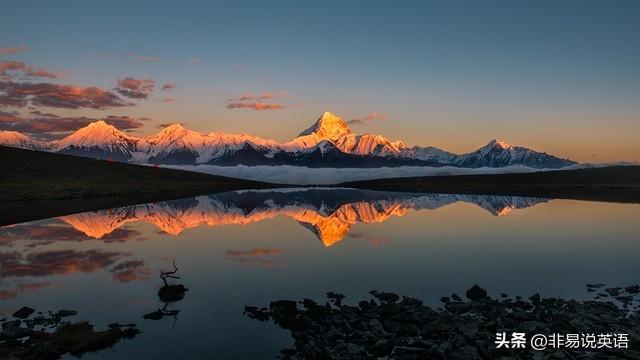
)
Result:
{"points": [[613, 183], [36, 185]]}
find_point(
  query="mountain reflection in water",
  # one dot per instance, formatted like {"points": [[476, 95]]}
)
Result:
{"points": [[328, 213]]}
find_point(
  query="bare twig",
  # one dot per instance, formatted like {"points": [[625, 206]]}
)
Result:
{"points": [[164, 275]]}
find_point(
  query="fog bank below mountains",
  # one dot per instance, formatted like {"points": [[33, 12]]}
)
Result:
{"points": [[296, 175]]}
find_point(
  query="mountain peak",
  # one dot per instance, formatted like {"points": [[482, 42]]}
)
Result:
{"points": [[328, 126], [174, 126], [499, 143]]}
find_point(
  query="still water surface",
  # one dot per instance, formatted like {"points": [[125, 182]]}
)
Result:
{"points": [[252, 247]]}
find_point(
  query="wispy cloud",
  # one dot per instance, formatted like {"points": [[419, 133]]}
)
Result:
{"points": [[169, 86], [254, 106], [12, 50], [168, 99], [256, 102], [194, 60], [254, 256], [135, 88], [8, 68], [365, 120], [21, 94]]}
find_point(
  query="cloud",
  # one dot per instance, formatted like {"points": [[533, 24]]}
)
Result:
{"points": [[169, 86], [135, 88], [47, 126], [168, 99], [7, 117], [307, 176], [194, 60], [254, 256], [55, 262], [254, 106], [12, 50], [263, 96], [365, 120], [21, 94], [254, 252], [256, 102], [131, 270], [239, 67], [6, 67]]}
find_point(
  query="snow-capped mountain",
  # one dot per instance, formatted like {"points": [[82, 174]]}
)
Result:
{"points": [[98, 139], [16, 139], [327, 143]]}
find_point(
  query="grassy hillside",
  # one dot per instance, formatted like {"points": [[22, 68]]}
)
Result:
{"points": [[30, 181], [615, 183]]}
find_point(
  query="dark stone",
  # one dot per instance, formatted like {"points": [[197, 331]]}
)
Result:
{"points": [[535, 298], [455, 297], [24, 312], [445, 299], [476, 293], [66, 313], [171, 293], [634, 289]]}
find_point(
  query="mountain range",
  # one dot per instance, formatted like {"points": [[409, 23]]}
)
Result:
{"points": [[329, 142], [328, 213]]}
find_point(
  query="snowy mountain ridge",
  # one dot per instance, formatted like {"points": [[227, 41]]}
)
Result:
{"points": [[327, 143]]}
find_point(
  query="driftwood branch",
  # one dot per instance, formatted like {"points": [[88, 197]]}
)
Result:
{"points": [[164, 275]]}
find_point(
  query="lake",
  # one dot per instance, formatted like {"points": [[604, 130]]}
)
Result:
{"points": [[251, 247]]}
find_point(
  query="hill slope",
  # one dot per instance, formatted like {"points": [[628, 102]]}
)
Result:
{"points": [[614, 183], [30, 180]]}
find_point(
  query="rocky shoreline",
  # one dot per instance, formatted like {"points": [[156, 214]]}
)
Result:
{"points": [[50, 335], [391, 326]]}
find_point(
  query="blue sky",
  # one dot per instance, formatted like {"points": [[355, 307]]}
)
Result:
{"points": [[559, 76]]}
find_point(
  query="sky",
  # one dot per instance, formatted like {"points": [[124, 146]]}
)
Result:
{"points": [[559, 77]]}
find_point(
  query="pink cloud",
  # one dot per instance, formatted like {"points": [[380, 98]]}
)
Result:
{"points": [[12, 50], [254, 106], [135, 88], [365, 120], [22, 94], [6, 67], [169, 86]]}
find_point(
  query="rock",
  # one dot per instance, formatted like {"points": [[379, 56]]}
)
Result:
{"points": [[24, 312], [455, 297], [336, 298], [376, 327], [595, 285], [11, 324], [535, 298], [65, 313], [634, 289], [613, 291], [171, 293], [154, 315], [476, 293], [445, 299], [385, 297]]}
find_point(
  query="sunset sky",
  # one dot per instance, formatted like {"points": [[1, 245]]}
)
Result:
{"points": [[558, 76]]}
